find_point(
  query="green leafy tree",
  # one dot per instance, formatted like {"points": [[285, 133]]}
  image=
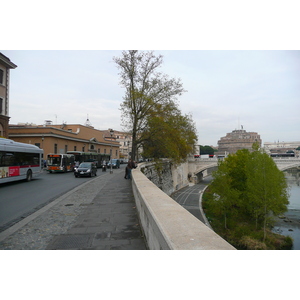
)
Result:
{"points": [[224, 198], [249, 187], [206, 150], [267, 189], [168, 134], [236, 164], [229, 186], [145, 88]]}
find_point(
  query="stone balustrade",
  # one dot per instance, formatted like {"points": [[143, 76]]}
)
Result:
{"points": [[166, 224]]}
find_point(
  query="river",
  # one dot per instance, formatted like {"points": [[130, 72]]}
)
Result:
{"points": [[290, 224]]}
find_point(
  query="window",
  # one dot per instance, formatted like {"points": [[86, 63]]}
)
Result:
{"points": [[18, 159], [1, 105], [66, 148], [75, 148], [55, 148], [1, 76]]}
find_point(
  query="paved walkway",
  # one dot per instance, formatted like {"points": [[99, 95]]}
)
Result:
{"points": [[98, 215]]}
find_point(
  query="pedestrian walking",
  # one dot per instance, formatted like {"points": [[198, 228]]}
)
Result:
{"points": [[126, 172], [131, 165]]}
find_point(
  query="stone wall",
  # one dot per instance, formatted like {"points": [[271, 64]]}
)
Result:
{"points": [[165, 176], [166, 224]]}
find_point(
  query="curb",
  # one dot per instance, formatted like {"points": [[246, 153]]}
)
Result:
{"points": [[6, 233]]}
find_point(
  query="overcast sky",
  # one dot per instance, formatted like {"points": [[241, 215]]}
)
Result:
{"points": [[225, 89]]}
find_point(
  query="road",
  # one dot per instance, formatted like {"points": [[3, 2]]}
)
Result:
{"points": [[20, 199], [189, 196]]}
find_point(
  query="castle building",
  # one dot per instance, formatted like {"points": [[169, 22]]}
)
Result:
{"points": [[237, 140], [5, 66]]}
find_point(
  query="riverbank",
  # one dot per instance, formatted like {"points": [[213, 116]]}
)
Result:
{"points": [[242, 234], [289, 225]]}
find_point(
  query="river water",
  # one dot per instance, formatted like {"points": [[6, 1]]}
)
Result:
{"points": [[290, 224]]}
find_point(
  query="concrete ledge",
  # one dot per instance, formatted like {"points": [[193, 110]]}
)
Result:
{"points": [[167, 225]]}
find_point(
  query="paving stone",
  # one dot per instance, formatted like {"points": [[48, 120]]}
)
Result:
{"points": [[112, 218], [103, 217]]}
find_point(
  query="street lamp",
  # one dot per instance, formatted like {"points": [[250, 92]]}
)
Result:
{"points": [[43, 150], [111, 134], [128, 150]]}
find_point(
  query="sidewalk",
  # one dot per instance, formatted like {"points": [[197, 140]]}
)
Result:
{"points": [[99, 215]]}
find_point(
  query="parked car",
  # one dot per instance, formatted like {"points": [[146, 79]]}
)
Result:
{"points": [[86, 169], [115, 164]]}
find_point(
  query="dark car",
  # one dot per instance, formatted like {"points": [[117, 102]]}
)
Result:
{"points": [[86, 169], [115, 163]]}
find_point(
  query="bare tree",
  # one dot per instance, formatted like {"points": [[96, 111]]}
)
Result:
{"points": [[145, 88]]}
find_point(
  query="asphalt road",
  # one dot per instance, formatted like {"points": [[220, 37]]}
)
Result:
{"points": [[20, 199], [189, 197]]}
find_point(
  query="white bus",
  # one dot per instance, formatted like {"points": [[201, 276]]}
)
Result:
{"points": [[19, 161], [60, 163]]}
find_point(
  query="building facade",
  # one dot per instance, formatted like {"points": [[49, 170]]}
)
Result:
{"points": [[5, 66], [63, 138], [125, 141], [281, 146], [237, 140]]}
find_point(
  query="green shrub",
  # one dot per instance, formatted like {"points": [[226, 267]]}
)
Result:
{"points": [[250, 243]]}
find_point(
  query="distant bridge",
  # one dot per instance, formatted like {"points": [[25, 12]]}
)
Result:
{"points": [[287, 163], [202, 167]]}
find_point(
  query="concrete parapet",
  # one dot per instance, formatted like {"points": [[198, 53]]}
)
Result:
{"points": [[167, 225]]}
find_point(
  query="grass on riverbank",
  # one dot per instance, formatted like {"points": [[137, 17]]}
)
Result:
{"points": [[244, 235]]}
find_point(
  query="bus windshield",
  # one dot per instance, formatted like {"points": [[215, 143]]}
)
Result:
{"points": [[54, 160]]}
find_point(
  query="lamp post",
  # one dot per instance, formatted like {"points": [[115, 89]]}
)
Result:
{"points": [[111, 134], [43, 151], [128, 150]]}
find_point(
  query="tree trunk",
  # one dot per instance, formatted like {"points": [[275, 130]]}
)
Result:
{"points": [[265, 223]]}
